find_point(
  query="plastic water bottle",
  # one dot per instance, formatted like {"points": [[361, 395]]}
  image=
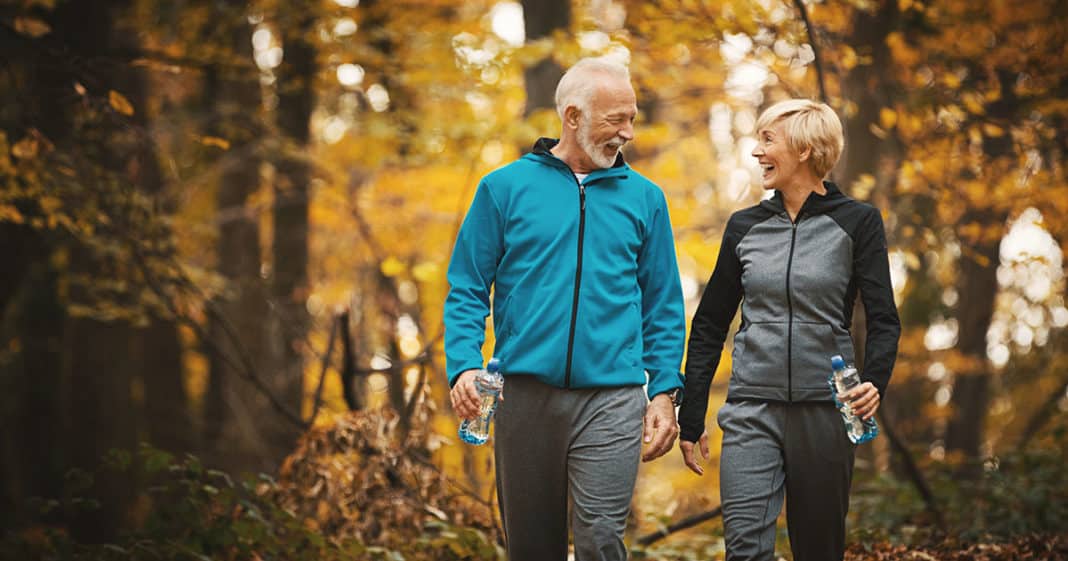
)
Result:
{"points": [[489, 383], [844, 378]]}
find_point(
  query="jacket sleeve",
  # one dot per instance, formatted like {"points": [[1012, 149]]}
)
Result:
{"points": [[871, 268], [472, 270], [708, 332], [663, 311]]}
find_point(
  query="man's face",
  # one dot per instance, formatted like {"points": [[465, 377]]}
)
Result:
{"points": [[609, 123]]}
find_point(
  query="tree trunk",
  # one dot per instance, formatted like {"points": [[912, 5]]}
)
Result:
{"points": [[96, 373], [540, 19], [290, 249], [157, 350], [869, 86], [235, 411], [978, 284], [34, 442]]}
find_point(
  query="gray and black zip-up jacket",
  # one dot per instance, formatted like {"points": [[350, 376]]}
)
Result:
{"points": [[799, 280]]}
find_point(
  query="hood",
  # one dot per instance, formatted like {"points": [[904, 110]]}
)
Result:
{"points": [[542, 152], [814, 204]]}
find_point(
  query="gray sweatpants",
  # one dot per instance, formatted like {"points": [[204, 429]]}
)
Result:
{"points": [[772, 449], [550, 442]]}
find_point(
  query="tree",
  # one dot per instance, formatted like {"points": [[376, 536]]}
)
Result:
{"points": [[540, 21], [292, 191], [235, 413]]}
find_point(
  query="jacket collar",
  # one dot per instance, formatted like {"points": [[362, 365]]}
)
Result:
{"points": [[542, 152], [814, 204]]}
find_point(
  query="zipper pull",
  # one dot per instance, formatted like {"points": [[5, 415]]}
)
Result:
{"points": [[582, 197]]}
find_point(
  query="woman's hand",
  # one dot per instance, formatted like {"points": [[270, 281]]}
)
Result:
{"points": [[864, 399], [688, 453]]}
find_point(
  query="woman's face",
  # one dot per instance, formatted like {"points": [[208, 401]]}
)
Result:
{"points": [[780, 164]]}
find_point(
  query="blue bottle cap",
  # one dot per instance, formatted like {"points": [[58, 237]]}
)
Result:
{"points": [[837, 362], [494, 365]]}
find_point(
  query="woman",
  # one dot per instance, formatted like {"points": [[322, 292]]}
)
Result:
{"points": [[797, 260]]}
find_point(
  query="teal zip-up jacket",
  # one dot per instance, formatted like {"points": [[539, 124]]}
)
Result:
{"points": [[586, 289]]}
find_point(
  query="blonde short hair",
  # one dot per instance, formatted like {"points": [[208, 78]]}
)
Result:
{"points": [[577, 85], [808, 124]]}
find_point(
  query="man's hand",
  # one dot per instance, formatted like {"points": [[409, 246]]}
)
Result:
{"points": [[864, 399], [687, 448], [464, 395], [660, 427]]}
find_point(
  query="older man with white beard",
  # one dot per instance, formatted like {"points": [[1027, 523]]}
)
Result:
{"points": [[574, 251]]}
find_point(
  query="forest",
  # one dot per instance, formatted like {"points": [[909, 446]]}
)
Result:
{"points": [[225, 228]]}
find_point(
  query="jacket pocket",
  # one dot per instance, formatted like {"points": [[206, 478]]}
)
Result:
{"points": [[813, 346], [632, 354], [761, 361]]}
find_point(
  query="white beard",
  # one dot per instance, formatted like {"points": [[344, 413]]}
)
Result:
{"points": [[594, 151]]}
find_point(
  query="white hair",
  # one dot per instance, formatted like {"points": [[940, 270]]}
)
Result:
{"points": [[577, 85]]}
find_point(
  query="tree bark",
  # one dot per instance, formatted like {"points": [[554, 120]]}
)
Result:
{"points": [[234, 412], [156, 349], [977, 286], [540, 19], [869, 87], [977, 282], [296, 96]]}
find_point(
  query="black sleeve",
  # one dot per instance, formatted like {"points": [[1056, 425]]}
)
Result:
{"points": [[871, 270], [708, 331]]}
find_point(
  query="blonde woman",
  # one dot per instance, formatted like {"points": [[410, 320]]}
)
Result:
{"points": [[796, 262]]}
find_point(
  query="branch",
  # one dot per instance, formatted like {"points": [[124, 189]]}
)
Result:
{"points": [[409, 408], [815, 49], [243, 365], [685, 523], [51, 48], [422, 358], [322, 372], [248, 365], [463, 490]]}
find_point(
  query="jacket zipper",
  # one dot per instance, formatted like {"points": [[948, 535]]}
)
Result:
{"points": [[578, 281], [790, 313]]}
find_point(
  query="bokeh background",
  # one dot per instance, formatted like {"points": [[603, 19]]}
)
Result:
{"points": [[225, 226]]}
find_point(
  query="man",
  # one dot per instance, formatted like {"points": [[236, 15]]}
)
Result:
{"points": [[587, 308]]}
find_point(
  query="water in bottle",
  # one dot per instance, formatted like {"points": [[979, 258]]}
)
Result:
{"points": [[489, 383], [844, 378]]}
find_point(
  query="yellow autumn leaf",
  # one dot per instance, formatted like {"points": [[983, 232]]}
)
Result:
{"points": [[119, 103], [992, 130], [26, 148], [970, 232], [887, 117], [392, 266], [912, 261], [215, 141], [973, 102], [49, 204], [425, 271], [32, 27], [862, 187], [8, 213], [849, 57]]}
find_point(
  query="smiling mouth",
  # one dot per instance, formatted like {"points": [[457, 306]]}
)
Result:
{"points": [[768, 168]]}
